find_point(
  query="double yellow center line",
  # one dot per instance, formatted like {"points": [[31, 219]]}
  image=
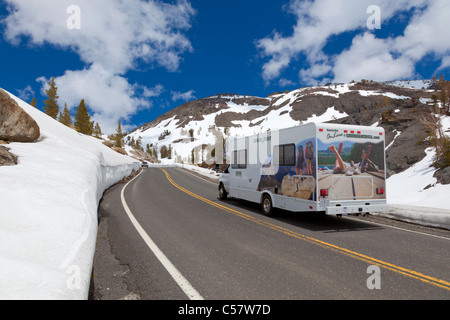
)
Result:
{"points": [[407, 272]]}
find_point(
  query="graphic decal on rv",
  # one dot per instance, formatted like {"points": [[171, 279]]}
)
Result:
{"points": [[291, 170], [351, 170]]}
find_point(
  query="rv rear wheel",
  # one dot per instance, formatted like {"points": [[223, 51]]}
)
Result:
{"points": [[223, 195], [266, 205]]}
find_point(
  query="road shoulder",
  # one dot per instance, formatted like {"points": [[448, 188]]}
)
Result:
{"points": [[109, 274]]}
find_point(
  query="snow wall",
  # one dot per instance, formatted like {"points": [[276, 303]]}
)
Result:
{"points": [[48, 211]]}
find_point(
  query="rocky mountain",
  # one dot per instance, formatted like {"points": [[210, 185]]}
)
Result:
{"points": [[396, 106]]}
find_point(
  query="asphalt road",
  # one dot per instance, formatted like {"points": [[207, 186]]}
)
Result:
{"points": [[228, 250]]}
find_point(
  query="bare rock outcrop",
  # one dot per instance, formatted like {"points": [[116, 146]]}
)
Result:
{"points": [[142, 155], [15, 124]]}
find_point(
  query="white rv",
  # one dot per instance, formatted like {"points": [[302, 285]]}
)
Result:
{"points": [[316, 167]]}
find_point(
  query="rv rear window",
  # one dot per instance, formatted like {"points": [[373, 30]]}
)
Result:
{"points": [[284, 155], [239, 159]]}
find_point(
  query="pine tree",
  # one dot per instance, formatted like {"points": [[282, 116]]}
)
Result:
{"points": [[164, 151], [33, 102], [444, 95], [155, 152], [433, 123], [51, 107], [65, 117], [83, 122], [119, 136], [97, 132], [139, 143]]}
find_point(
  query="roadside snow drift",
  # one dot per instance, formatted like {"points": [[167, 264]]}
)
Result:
{"points": [[48, 210], [415, 196]]}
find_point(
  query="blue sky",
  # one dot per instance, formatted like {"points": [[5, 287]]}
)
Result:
{"points": [[134, 60]]}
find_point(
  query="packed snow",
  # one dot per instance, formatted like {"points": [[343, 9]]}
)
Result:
{"points": [[411, 84], [391, 95], [49, 201], [415, 196]]}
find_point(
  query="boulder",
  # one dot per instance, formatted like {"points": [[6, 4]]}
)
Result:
{"points": [[443, 175], [15, 124], [141, 155], [108, 143], [7, 158]]}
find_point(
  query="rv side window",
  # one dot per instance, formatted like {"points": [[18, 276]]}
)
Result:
{"points": [[284, 155], [239, 159]]}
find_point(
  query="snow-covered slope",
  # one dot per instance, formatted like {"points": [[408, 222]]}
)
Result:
{"points": [[412, 84], [411, 197], [48, 218]]}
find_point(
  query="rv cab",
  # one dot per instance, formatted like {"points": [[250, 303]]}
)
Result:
{"points": [[224, 184]]}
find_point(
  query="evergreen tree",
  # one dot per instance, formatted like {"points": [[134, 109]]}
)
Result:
{"points": [[65, 117], [97, 132], [51, 107], [433, 123], [139, 143], [119, 136], [155, 152], [83, 122], [33, 102], [164, 151], [444, 94]]}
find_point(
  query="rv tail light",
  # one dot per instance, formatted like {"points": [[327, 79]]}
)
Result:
{"points": [[324, 192], [380, 190]]}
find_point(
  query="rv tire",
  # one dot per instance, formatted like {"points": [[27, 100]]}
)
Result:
{"points": [[223, 195], [266, 205]]}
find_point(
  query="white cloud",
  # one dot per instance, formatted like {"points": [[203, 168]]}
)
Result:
{"points": [[184, 96], [395, 57], [115, 36], [114, 33], [109, 96], [318, 70], [368, 57], [445, 63], [26, 94], [285, 82], [426, 33]]}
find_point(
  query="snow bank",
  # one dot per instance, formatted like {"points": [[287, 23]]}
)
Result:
{"points": [[426, 216], [415, 196], [48, 218]]}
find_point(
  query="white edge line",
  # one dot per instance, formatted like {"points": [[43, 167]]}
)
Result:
{"points": [[403, 229], [182, 282]]}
